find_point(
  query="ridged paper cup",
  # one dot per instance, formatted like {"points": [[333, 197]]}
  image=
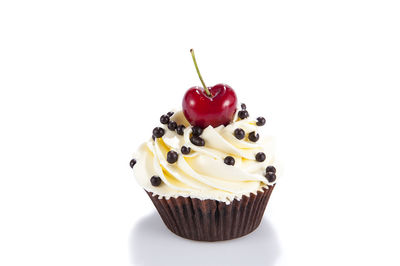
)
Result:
{"points": [[212, 220]]}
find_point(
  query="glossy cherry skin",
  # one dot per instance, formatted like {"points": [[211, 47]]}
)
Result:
{"points": [[203, 111]]}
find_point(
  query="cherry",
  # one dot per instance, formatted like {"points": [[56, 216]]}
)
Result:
{"points": [[207, 106]]}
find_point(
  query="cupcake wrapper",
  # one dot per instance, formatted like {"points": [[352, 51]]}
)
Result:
{"points": [[212, 220]]}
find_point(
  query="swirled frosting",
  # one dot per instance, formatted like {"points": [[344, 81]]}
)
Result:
{"points": [[203, 174]]}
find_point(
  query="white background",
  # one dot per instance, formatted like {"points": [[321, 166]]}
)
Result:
{"points": [[83, 83]]}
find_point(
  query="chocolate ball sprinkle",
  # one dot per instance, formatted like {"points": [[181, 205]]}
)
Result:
{"points": [[172, 156], [260, 157], [260, 121], [172, 125], [185, 150], [271, 177], [155, 180], [196, 131], [253, 136], [164, 119], [170, 114], [180, 129], [243, 114], [271, 169], [132, 163], [239, 133], [158, 132], [229, 160], [243, 106], [198, 141]]}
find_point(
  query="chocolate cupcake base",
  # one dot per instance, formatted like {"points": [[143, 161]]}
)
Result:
{"points": [[212, 220]]}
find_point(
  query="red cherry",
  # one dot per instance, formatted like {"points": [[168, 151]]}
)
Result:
{"points": [[207, 106], [202, 110]]}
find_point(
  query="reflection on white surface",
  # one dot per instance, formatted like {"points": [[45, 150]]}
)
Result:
{"points": [[151, 243]]}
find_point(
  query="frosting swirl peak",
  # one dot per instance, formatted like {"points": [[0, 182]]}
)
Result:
{"points": [[202, 173]]}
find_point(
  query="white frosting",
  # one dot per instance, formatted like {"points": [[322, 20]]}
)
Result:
{"points": [[203, 174]]}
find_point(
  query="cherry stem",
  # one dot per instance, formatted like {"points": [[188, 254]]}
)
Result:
{"points": [[198, 73]]}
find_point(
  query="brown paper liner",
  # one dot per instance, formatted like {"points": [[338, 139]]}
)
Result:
{"points": [[212, 220]]}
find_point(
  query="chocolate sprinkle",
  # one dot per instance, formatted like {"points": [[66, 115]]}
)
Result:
{"points": [[185, 150], [271, 177], [180, 129], [260, 121], [172, 125], [196, 131], [243, 106], [164, 119], [253, 136], [170, 114], [271, 169], [243, 114], [172, 157], [155, 180], [229, 160], [198, 141], [239, 133], [132, 163], [158, 132], [260, 157]]}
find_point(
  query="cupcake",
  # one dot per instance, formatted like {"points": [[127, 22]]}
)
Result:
{"points": [[208, 169]]}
